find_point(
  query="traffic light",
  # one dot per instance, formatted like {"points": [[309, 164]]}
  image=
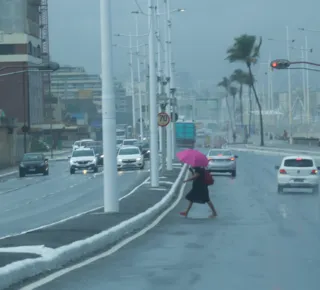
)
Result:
{"points": [[176, 117], [280, 64]]}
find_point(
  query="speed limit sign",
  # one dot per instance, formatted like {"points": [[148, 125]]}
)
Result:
{"points": [[163, 119]]}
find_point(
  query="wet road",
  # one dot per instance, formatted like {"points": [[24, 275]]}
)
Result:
{"points": [[34, 201], [261, 240]]}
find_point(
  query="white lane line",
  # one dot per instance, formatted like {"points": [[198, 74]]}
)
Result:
{"points": [[109, 252], [71, 217], [283, 210]]}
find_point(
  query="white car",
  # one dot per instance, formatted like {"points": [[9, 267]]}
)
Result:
{"points": [[80, 143], [298, 172], [130, 157], [83, 159]]}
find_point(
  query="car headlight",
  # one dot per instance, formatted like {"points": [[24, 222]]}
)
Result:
{"points": [[119, 160], [21, 164], [102, 156], [148, 151], [138, 159]]}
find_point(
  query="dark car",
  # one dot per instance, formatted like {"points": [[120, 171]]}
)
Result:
{"points": [[33, 163], [145, 149], [98, 150]]}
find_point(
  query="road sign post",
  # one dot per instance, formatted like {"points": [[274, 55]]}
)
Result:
{"points": [[163, 119], [163, 139]]}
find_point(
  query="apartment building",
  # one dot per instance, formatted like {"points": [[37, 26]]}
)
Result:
{"points": [[21, 48]]}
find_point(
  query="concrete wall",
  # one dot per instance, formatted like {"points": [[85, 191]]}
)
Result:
{"points": [[11, 148]]}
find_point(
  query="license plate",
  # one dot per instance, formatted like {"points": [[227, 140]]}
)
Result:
{"points": [[32, 169], [298, 180]]}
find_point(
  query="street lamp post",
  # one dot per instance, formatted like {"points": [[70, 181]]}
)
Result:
{"points": [[307, 81], [110, 189], [289, 86], [139, 76], [154, 172], [159, 79], [133, 95], [168, 93]]}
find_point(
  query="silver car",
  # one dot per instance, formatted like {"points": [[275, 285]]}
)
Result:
{"points": [[222, 160]]}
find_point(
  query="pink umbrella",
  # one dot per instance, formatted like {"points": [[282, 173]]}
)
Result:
{"points": [[193, 158]]}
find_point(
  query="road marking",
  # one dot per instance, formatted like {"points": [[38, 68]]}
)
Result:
{"points": [[283, 210], [109, 252]]}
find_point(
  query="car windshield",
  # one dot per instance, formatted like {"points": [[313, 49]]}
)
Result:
{"points": [[82, 153], [220, 153], [32, 157], [97, 150], [298, 162], [129, 151], [77, 143]]}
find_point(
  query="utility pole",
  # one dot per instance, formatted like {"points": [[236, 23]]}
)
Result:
{"points": [[134, 120], [139, 75], [154, 172], [159, 78], [289, 88], [168, 93], [110, 189]]}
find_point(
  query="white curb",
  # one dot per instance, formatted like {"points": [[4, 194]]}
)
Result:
{"points": [[18, 271]]}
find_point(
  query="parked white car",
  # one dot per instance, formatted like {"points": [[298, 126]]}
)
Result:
{"points": [[298, 172], [130, 157]]}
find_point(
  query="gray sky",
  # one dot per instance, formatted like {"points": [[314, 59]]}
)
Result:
{"points": [[200, 36]]}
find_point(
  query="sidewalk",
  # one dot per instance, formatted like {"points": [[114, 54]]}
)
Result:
{"points": [[86, 227]]}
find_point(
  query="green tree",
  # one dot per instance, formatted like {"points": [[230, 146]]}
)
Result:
{"points": [[246, 49], [226, 83]]}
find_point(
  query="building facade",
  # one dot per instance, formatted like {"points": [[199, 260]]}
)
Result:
{"points": [[20, 48]]}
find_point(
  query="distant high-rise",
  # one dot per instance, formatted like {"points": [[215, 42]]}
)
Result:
{"points": [[21, 47], [183, 80]]}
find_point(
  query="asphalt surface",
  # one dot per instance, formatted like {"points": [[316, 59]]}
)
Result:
{"points": [[260, 240], [34, 201]]}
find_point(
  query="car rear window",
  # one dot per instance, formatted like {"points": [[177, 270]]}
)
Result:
{"points": [[220, 153], [298, 163]]}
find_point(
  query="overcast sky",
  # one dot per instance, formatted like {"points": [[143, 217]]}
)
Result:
{"points": [[200, 36]]}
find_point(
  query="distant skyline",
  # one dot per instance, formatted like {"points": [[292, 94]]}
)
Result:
{"points": [[200, 36]]}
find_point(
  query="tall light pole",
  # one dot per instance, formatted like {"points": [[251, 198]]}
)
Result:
{"points": [[139, 75], [307, 82], [171, 83], [289, 86], [133, 95], [154, 159], [160, 76], [110, 188], [168, 93]]}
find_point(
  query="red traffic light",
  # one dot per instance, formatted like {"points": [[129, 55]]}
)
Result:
{"points": [[280, 64]]}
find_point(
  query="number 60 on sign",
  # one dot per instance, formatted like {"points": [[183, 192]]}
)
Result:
{"points": [[163, 119]]}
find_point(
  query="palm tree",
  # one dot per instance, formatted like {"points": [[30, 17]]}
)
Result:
{"points": [[239, 76], [233, 92], [225, 83], [246, 49]]}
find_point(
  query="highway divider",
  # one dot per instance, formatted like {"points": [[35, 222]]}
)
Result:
{"points": [[57, 258]]}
